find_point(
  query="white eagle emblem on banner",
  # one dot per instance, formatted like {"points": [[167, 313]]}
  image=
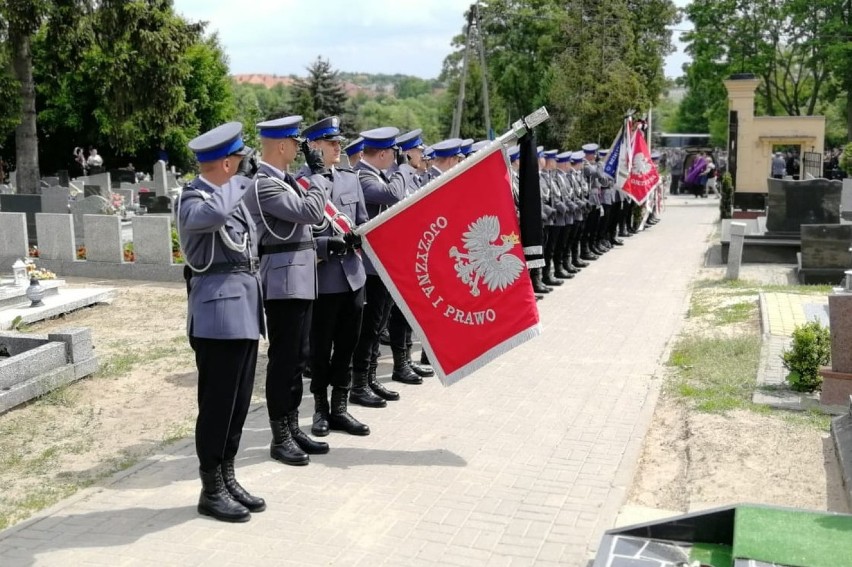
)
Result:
{"points": [[640, 165], [485, 261]]}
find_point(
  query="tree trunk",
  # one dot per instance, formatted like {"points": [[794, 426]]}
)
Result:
{"points": [[26, 137]]}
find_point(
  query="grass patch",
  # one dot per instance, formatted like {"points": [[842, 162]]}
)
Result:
{"points": [[736, 313], [64, 396], [177, 432], [756, 287], [814, 418], [715, 374], [698, 306], [120, 364]]}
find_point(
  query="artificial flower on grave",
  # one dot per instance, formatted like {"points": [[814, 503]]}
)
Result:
{"points": [[117, 203], [34, 271]]}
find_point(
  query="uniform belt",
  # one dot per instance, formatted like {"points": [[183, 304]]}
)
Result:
{"points": [[288, 247], [250, 266]]}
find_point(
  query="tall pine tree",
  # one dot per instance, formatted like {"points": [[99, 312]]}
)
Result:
{"points": [[321, 94]]}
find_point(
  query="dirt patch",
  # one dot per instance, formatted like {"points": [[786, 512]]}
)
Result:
{"points": [[142, 398], [695, 459]]}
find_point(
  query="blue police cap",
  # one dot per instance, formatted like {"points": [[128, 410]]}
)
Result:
{"points": [[220, 142], [380, 138], [590, 148], [550, 154], [356, 146], [479, 145], [603, 152], [514, 153], [577, 157], [447, 148], [655, 155], [466, 145], [428, 153], [287, 127], [410, 140], [325, 129], [563, 157]]}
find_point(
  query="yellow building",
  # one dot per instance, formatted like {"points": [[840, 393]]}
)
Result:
{"points": [[752, 138]]}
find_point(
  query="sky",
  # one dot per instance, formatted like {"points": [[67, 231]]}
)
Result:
{"points": [[373, 36]]}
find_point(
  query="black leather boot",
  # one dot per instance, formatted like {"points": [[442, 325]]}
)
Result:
{"points": [[538, 286], [215, 500], [240, 494], [587, 253], [301, 438], [283, 447], [361, 393], [547, 279], [384, 336], [402, 372], [560, 272], [339, 419], [422, 370], [575, 257], [379, 388], [321, 411]]}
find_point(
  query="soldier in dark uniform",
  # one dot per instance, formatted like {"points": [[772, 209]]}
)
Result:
{"points": [[410, 165], [225, 317], [284, 215], [355, 151], [337, 311], [380, 192]]}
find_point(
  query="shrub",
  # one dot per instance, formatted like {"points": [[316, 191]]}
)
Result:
{"points": [[726, 203], [810, 349], [129, 254], [846, 159], [177, 256]]}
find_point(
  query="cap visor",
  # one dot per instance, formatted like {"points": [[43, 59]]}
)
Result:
{"points": [[244, 151]]}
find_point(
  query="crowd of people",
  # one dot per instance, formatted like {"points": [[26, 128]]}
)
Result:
{"points": [[274, 253]]}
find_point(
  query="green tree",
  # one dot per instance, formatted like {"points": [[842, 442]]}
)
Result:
{"points": [[324, 90], [411, 87]]}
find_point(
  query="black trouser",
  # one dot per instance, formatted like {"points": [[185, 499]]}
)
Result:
{"points": [[591, 225], [616, 212], [335, 326], [225, 381], [563, 249], [675, 186], [551, 240], [376, 313], [603, 223], [288, 322], [399, 329]]}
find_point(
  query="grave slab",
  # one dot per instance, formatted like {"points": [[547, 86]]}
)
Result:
{"points": [[13, 236], [55, 236], [103, 238], [152, 241]]}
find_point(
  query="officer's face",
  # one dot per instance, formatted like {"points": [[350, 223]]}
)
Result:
{"points": [[330, 151], [415, 158], [288, 148]]}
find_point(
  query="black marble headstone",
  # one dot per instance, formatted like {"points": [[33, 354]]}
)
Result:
{"points": [[826, 246], [64, 178], [117, 176], [89, 190], [160, 204], [29, 204], [790, 204]]}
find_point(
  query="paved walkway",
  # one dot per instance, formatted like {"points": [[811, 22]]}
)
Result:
{"points": [[526, 462]]}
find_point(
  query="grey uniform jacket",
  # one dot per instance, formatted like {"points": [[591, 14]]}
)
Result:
{"points": [[339, 274], [592, 173], [548, 211], [220, 305], [413, 180], [575, 176], [284, 214], [561, 179], [379, 194]]}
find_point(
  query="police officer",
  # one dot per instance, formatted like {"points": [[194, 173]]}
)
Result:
{"points": [[411, 165], [548, 217], [380, 192], [225, 318], [582, 254], [563, 213], [593, 177], [284, 214], [444, 155], [466, 147], [570, 199], [355, 151], [336, 320]]}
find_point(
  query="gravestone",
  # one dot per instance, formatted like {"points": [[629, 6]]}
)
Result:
{"points": [[152, 240], [161, 180], [64, 177], [790, 204], [826, 246], [94, 204], [6, 190], [147, 199], [735, 250], [91, 190], [55, 200], [13, 237], [29, 204], [160, 205], [846, 199], [120, 176], [56, 236], [103, 180], [50, 181], [103, 238], [129, 196]]}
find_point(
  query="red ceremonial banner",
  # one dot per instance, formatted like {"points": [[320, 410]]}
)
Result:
{"points": [[451, 257], [643, 173]]}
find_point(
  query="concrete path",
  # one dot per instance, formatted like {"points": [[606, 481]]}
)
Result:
{"points": [[526, 462]]}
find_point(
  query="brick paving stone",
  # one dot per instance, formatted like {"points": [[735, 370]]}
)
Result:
{"points": [[523, 463]]}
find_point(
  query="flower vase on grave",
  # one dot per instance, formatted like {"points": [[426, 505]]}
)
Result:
{"points": [[35, 293]]}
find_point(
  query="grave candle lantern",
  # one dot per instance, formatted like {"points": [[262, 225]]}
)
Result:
{"points": [[19, 271]]}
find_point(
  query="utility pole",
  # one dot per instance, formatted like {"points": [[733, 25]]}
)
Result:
{"points": [[473, 40]]}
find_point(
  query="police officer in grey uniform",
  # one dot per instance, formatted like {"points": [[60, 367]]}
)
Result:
{"points": [[614, 213], [548, 217], [284, 213], [578, 255], [380, 192], [410, 163], [336, 321], [354, 151], [561, 220], [225, 317], [593, 177], [560, 173]]}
